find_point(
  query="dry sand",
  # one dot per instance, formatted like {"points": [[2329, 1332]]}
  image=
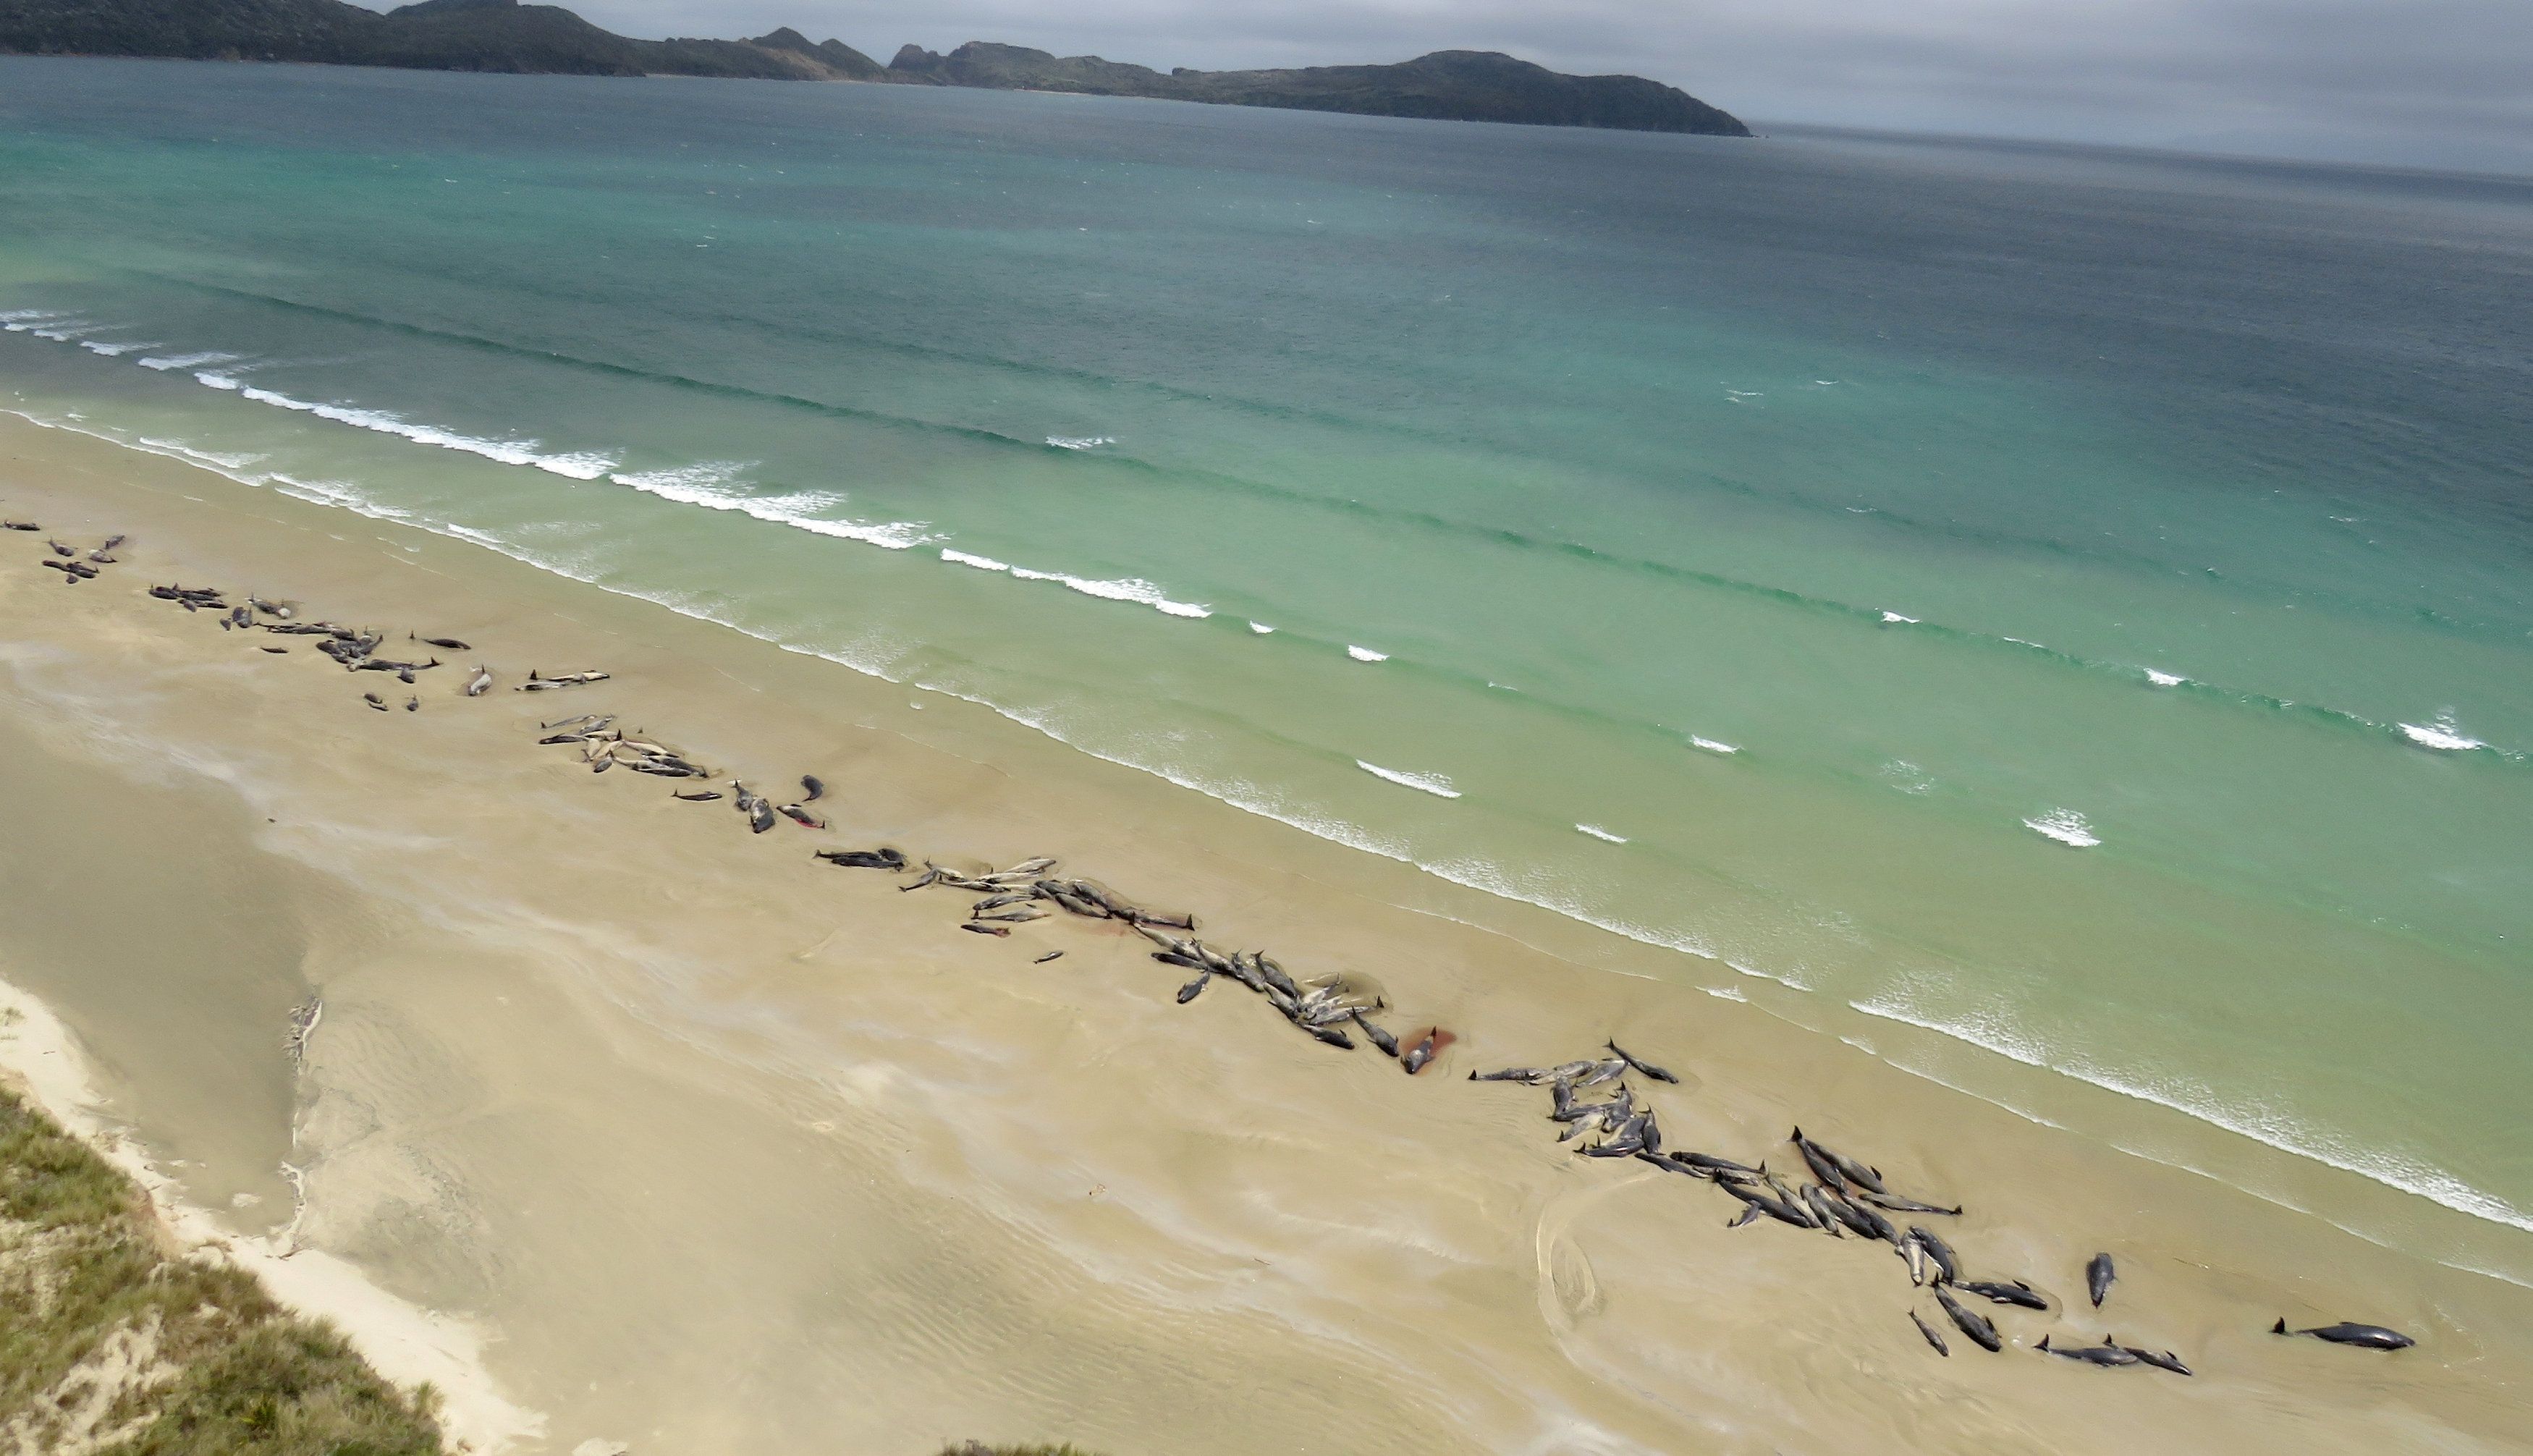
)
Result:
{"points": [[726, 1151]]}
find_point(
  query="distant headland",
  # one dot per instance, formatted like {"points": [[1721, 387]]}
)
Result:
{"points": [[505, 35]]}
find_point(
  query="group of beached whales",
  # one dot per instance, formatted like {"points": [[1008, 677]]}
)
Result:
{"points": [[73, 564], [353, 649], [1843, 1198]]}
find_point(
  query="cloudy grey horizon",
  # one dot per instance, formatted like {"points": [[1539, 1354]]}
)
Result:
{"points": [[2417, 83]]}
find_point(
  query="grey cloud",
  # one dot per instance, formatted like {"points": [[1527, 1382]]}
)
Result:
{"points": [[2422, 81]]}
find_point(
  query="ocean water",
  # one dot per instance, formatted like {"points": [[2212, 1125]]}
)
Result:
{"points": [[2056, 618]]}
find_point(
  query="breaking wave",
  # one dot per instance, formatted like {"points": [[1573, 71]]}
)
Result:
{"points": [[1433, 783], [2442, 735], [1128, 588], [709, 486], [2066, 826]]}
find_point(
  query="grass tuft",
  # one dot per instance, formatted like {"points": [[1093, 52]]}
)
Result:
{"points": [[115, 1341]]}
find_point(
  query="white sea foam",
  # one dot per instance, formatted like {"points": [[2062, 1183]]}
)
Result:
{"points": [[351, 497], [2265, 1126], [2066, 826], [709, 486], [1711, 745], [222, 461], [1260, 628], [1125, 589], [1893, 618], [2440, 735], [210, 381], [114, 351], [19, 320], [1433, 783], [1081, 441], [1365, 655], [1130, 590], [2164, 679], [187, 361], [579, 466], [1598, 833], [65, 332]]}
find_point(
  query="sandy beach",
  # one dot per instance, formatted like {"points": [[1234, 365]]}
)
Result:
{"points": [[723, 1149]]}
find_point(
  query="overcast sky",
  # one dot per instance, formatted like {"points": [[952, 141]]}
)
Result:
{"points": [[2424, 81]]}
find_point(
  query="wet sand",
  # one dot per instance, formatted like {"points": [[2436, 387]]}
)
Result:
{"points": [[729, 1150]]}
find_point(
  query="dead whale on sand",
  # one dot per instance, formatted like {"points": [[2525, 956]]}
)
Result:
{"points": [[2363, 1336]]}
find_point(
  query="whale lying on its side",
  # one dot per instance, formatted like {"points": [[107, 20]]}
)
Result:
{"points": [[2363, 1336]]}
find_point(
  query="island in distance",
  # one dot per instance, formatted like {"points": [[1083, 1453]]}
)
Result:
{"points": [[508, 37]]}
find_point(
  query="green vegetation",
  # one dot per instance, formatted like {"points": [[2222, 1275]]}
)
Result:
{"points": [[115, 1343], [507, 35], [430, 36], [1446, 85]]}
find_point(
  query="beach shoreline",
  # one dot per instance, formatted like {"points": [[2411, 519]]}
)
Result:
{"points": [[1477, 1284]]}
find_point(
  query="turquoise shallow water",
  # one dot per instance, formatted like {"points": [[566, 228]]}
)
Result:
{"points": [[2024, 611]]}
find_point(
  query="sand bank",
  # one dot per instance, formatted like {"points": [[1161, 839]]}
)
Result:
{"points": [[727, 1150]]}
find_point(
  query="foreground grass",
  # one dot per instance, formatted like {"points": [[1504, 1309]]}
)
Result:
{"points": [[114, 1344]]}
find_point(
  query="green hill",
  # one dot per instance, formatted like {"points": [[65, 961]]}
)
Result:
{"points": [[1445, 86], [507, 35], [432, 35]]}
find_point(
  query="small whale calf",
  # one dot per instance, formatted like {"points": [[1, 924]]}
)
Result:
{"points": [[802, 817], [1932, 1338], [812, 791], [2363, 1336], [1645, 1067], [705, 797]]}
